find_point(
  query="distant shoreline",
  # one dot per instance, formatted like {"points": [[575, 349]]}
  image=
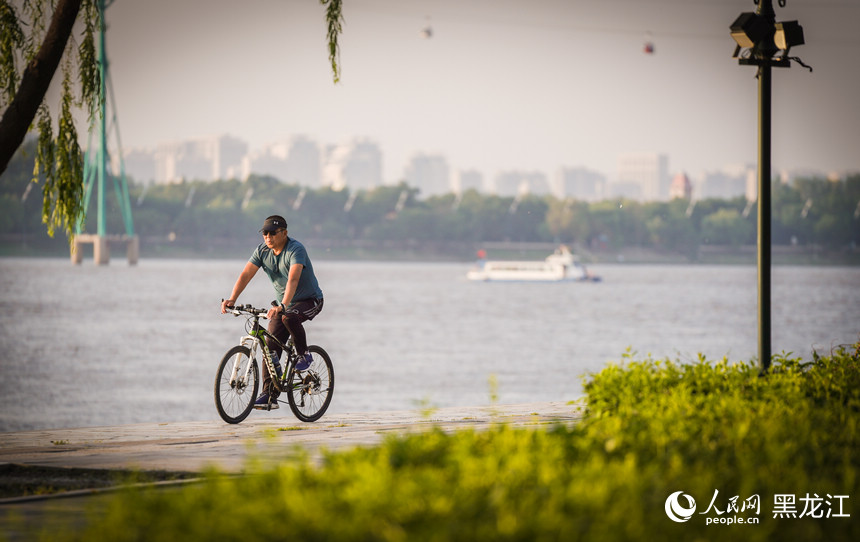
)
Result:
{"points": [[443, 251]]}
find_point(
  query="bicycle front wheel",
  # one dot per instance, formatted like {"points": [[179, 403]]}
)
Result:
{"points": [[236, 384], [309, 392]]}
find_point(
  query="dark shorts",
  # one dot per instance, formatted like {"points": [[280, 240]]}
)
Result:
{"points": [[306, 309]]}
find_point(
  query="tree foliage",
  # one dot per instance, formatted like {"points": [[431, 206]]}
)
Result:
{"points": [[34, 43], [198, 213], [334, 21]]}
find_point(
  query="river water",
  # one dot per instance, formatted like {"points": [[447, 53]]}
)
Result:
{"points": [[88, 346]]}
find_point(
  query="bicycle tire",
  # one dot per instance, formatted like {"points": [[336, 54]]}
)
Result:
{"points": [[234, 403], [309, 392]]}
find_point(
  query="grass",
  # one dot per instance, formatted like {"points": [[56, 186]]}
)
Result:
{"points": [[716, 431]]}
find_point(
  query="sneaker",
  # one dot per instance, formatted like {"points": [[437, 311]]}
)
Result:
{"points": [[304, 362], [262, 403]]}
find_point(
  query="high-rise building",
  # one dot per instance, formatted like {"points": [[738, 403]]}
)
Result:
{"points": [[643, 176], [787, 176], [296, 160], [467, 179], [227, 153], [139, 164], [205, 159], [579, 183], [356, 165], [429, 173], [729, 182], [517, 183]]}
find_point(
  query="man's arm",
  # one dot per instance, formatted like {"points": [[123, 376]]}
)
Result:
{"points": [[289, 290], [292, 283], [244, 278]]}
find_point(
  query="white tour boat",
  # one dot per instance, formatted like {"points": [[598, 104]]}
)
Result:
{"points": [[559, 266]]}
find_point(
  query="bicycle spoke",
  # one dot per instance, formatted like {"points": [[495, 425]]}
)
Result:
{"points": [[235, 399], [310, 391]]}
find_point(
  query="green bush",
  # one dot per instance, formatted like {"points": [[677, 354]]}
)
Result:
{"points": [[712, 430]]}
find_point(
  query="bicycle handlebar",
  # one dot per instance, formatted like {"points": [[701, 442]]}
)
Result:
{"points": [[237, 310]]}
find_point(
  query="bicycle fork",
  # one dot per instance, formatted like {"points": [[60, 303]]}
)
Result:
{"points": [[252, 344]]}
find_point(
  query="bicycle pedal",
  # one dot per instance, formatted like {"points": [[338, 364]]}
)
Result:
{"points": [[273, 406]]}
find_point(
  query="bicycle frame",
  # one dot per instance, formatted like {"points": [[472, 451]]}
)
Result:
{"points": [[257, 338]]}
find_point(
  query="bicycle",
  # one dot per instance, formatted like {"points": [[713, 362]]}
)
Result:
{"points": [[237, 381]]}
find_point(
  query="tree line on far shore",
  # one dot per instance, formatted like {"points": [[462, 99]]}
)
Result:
{"points": [[808, 211]]}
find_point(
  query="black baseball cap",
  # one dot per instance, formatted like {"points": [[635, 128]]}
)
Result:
{"points": [[274, 223]]}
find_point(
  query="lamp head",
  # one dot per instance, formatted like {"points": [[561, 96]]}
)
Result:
{"points": [[749, 29], [788, 34]]}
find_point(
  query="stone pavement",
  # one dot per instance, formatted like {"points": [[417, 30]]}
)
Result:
{"points": [[194, 446]]}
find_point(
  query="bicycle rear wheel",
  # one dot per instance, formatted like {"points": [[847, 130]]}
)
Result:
{"points": [[234, 397], [309, 392]]}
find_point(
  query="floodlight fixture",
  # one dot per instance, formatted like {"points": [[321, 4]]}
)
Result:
{"points": [[749, 29], [788, 34]]}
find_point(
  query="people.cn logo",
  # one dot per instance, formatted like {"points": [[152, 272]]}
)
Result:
{"points": [[676, 511]]}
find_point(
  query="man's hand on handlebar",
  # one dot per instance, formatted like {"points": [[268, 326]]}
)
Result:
{"points": [[273, 311], [228, 306]]}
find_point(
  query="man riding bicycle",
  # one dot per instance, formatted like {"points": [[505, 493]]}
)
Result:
{"points": [[288, 266]]}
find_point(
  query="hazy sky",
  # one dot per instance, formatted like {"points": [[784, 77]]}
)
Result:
{"points": [[502, 84]]}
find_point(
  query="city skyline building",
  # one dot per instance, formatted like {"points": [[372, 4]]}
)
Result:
{"points": [[643, 176], [729, 182], [356, 165], [518, 183], [295, 160], [429, 173], [139, 164], [579, 183], [205, 158], [467, 179]]}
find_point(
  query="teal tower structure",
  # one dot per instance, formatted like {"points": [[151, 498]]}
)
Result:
{"points": [[97, 172]]}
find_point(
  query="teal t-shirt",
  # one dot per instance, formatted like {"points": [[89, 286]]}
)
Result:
{"points": [[277, 266]]}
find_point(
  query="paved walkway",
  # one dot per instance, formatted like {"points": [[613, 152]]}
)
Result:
{"points": [[194, 446]]}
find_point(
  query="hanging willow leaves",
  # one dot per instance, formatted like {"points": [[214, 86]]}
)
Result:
{"points": [[12, 40], [88, 64], [60, 161], [334, 18]]}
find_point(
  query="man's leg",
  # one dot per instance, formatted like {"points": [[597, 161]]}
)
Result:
{"points": [[293, 318], [280, 332]]}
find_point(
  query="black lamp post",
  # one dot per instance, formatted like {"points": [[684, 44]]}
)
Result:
{"points": [[763, 42]]}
